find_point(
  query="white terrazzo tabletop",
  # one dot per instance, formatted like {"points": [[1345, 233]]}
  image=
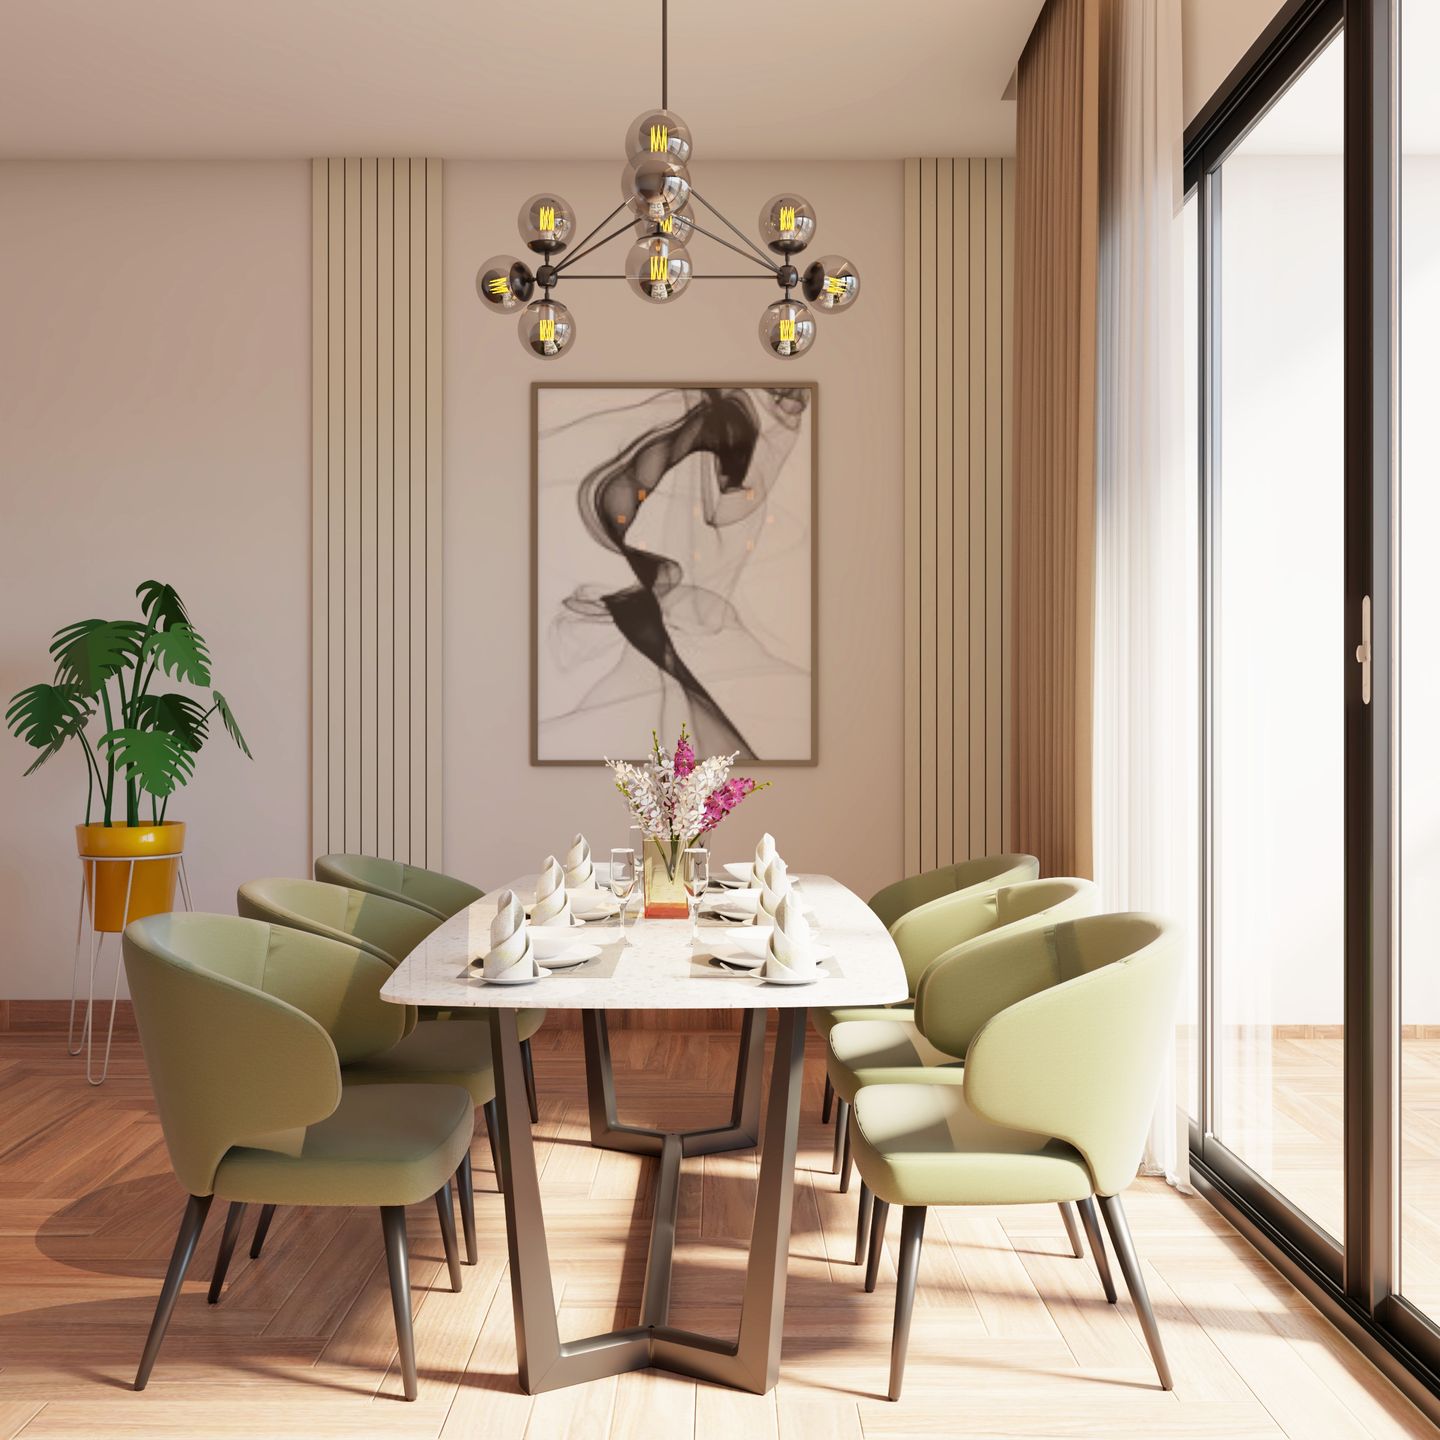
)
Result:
{"points": [[655, 966]]}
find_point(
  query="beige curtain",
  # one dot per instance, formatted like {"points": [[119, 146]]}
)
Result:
{"points": [[1056, 206]]}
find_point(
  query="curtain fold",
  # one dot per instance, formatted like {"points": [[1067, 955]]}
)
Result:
{"points": [[1056, 203], [1146, 648]]}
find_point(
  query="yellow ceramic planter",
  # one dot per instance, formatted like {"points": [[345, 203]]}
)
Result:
{"points": [[151, 882]]}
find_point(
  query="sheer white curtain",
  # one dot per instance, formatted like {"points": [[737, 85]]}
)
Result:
{"points": [[1145, 813]]}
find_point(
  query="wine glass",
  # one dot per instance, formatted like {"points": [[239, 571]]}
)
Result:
{"points": [[695, 872], [622, 879]]}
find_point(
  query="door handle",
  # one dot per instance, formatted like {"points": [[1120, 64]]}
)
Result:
{"points": [[1362, 651]]}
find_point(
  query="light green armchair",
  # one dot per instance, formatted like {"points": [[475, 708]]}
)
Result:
{"points": [[245, 1028], [436, 893], [926, 914], [1065, 1030], [388, 929]]}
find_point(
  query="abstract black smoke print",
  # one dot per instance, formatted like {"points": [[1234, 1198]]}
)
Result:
{"points": [[673, 569]]}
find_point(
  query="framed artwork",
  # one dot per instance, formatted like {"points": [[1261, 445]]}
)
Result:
{"points": [[673, 568]]}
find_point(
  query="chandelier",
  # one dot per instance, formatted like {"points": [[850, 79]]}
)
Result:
{"points": [[655, 188]]}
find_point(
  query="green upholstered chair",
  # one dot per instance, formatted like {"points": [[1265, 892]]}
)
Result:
{"points": [[438, 894], [1064, 1029], [926, 915], [246, 1028], [388, 929]]}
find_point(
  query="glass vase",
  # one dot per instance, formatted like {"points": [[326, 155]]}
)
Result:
{"points": [[665, 897]]}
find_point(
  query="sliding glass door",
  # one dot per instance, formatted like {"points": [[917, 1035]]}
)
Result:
{"points": [[1313, 221]]}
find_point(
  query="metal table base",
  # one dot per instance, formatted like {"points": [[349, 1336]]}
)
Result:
{"points": [[752, 1360]]}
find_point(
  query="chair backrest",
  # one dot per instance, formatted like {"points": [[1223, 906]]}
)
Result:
{"points": [[388, 929], [915, 890], [1080, 1058], [950, 1004], [442, 895], [947, 906], [244, 1027]]}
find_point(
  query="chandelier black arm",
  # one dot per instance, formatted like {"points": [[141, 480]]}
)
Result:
{"points": [[597, 230], [743, 254], [735, 228], [749, 275], [580, 254]]}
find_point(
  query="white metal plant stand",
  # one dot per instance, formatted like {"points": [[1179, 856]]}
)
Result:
{"points": [[86, 1041]]}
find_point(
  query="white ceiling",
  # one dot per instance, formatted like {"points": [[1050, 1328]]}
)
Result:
{"points": [[474, 78]]}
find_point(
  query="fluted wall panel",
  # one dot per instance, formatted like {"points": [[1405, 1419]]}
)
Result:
{"points": [[376, 473], [959, 241]]}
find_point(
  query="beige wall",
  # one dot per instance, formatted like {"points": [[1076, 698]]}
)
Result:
{"points": [[154, 422], [843, 816], [1215, 34]]}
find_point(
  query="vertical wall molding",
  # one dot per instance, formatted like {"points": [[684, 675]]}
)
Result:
{"points": [[376, 497], [959, 236]]}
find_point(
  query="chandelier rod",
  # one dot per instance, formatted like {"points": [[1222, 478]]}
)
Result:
{"points": [[749, 275], [580, 254], [735, 228], [743, 254], [664, 54]]}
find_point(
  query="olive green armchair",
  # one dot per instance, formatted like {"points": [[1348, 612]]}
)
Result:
{"points": [[1064, 1029], [436, 893], [245, 1029], [388, 929], [926, 915]]}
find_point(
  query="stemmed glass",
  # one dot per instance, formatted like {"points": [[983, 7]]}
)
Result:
{"points": [[622, 880], [695, 872]]}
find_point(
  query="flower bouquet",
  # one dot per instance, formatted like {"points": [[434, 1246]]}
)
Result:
{"points": [[675, 799]]}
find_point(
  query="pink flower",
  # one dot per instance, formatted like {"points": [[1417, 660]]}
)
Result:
{"points": [[723, 799], [684, 757]]}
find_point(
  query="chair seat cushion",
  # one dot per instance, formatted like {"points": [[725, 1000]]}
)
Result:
{"points": [[383, 1145], [878, 1052], [435, 1052], [923, 1145], [825, 1020]]}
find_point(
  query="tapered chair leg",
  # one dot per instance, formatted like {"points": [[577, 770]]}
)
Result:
{"points": [[1119, 1229], [262, 1229], [877, 1243], [842, 1133], [1097, 1246], [228, 1237], [464, 1182], [828, 1101], [862, 1227], [397, 1260], [445, 1207], [1072, 1227], [912, 1232], [492, 1129], [527, 1060], [846, 1161], [197, 1207]]}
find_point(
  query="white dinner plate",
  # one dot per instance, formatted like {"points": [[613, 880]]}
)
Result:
{"points": [[514, 979], [733, 900], [738, 960], [793, 979], [594, 909], [568, 959], [754, 941], [740, 871]]}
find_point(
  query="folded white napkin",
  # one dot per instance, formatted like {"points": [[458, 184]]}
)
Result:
{"points": [[510, 949], [764, 852], [579, 872], [791, 951], [774, 886], [552, 904]]}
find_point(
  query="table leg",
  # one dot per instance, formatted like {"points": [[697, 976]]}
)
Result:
{"points": [[752, 1360]]}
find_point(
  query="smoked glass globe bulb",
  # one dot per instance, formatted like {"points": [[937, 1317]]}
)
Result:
{"points": [[787, 223], [831, 283], [504, 284], [655, 186], [547, 223], [658, 269], [658, 132], [547, 329], [787, 329]]}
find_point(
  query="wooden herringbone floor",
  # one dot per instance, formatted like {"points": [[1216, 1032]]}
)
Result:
{"points": [[1011, 1337]]}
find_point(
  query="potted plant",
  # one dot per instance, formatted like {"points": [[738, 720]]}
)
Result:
{"points": [[110, 673]]}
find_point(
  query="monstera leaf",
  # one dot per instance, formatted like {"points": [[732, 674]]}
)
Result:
{"points": [[161, 606], [180, 651], [90, 652], [45, 716], [43, 756], [228, 717], [158, 762], [175, 714]]}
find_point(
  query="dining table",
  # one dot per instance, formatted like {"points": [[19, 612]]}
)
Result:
{"points": [[649, 964]]}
